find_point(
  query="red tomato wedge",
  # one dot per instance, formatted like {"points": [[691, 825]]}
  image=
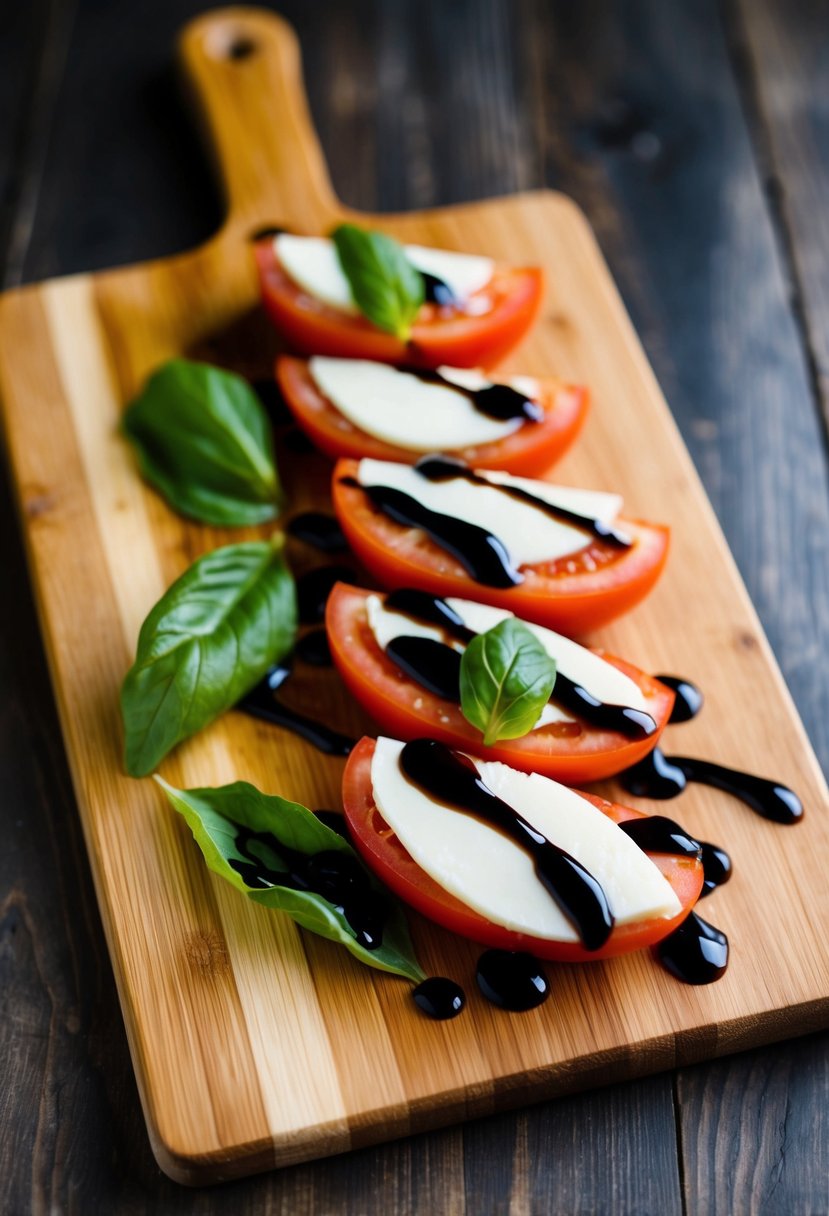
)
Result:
{"points": [[571, 752], [439, 335], [528, 452], [572, 595], [385, 856]]}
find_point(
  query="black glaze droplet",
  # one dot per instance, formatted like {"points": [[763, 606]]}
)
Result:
{"points": [[660, 776], [262, 702], [335, 820], [655, 776], [511, 981], [436, 291], [433, 665], [447, 468], [313, 589], [336, 876], [268, 393], [452, 778], [313, 649], [696, 952], [297, 441], [689, 699], [658, 834], [481, 554], [439, 998], [716, 867], [319, 530]]}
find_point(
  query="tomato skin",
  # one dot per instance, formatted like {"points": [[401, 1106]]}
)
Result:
{"points": [[405, 710], [386, 857], [571, 603], [527, 453], [458, 340]]}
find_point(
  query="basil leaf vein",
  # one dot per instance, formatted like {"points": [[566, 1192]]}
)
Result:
{"points": [[210, 638], [216, 818], [385, 285], [203, 440], [506, 680]]}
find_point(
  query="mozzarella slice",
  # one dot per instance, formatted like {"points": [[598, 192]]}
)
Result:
{"points": [[312, 263], [528, 534], [402, 409], [579, 664], [495, 877]]}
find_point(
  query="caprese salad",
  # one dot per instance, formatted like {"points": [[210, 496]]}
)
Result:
{"points": [[360, 295]]}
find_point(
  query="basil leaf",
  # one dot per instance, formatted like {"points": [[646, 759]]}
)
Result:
{"points": [[203, 440], [506, 680], [219, 819], [386, 287], [210, 638]]}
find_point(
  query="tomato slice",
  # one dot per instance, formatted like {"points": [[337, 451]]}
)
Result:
{"points": [[572, 595], [527, 452], [572, 752], [440, 335], [385, 856]]}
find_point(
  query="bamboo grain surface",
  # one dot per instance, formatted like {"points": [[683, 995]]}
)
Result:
{"points": [[255, 1045]]}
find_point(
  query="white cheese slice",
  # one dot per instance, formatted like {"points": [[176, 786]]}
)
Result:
{"points": [[495, 877], [581, 665], [312, 263], [402, 409], [472, 378], [528, 534]]}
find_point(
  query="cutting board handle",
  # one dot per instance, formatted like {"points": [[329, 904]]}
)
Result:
{"points": [[243, 67]]}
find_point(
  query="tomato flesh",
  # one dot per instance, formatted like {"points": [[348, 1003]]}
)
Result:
{"points": [[385, 856], [529, 451], [440, 335], [571, 752], [572, 595]]}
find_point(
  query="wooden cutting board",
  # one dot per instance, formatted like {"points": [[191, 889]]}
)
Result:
{"points": [[256, 1045]]}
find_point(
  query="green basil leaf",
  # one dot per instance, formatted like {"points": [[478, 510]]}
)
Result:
{"points": [[217, 818], [209, 639], [204, 441], [506, 680], [386, 287]]}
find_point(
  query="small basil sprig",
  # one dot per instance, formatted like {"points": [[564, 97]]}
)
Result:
{"points": [[210, 638], [385, 285], [244, 833], [506, 680], [204, 441]]}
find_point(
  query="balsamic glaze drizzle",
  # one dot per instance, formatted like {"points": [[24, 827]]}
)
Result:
{"points": [[481, 554], [499, 401], [262, 702], [446, 468], [660, 776], [436, 291], [689, 699], [434, 665], [319, 530], [451, 778], [512, 980], [658, 834], [437, 667], [337, 877], [696, 952], [439, 998]]}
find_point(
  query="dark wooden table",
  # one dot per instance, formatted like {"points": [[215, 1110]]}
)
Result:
{"points": [[696, 137]]}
